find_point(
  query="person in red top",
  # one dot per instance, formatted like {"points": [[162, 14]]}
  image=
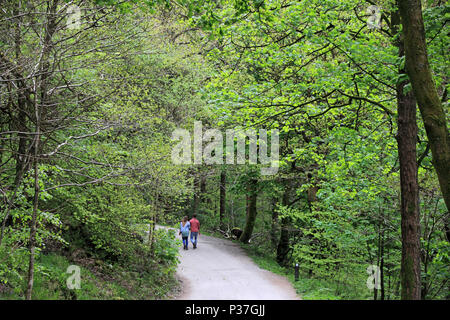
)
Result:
{"points": [[195, 230]]}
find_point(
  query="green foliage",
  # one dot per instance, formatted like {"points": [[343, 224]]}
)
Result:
{"points": [[166, 248], [99, 280], [311, 69], [312, 288], [106, 154]]}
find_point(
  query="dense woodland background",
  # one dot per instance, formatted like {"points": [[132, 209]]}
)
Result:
{"points": [[87, 114]]}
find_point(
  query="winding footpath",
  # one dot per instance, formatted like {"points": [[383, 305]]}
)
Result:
{"points": [[220, 269]]}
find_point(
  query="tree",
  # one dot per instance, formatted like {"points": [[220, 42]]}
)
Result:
{"points": [[409, 185], [222, 199], [278, 88], [251, 196], [82, 152], [430, 106]]}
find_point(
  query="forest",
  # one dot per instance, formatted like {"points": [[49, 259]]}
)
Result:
{"points": [[349, 97]]}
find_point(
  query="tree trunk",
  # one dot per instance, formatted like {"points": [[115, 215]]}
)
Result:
{"points": [[251, 211], [196, 202], [382, 290], [151, 230], [19, 124], [21, 120], [410, 224], [222, 198], [409, 188], [375, 290], [430, 106], [283, 244], [32, 244], [274, 229], [39, 109], [202, 189]]}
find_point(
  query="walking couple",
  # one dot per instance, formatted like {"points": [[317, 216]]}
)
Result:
{"points": [[193, 226]]}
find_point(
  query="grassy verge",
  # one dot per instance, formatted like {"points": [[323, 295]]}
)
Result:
{"points": [[308, 288], [138, 274], [99, 280]]}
